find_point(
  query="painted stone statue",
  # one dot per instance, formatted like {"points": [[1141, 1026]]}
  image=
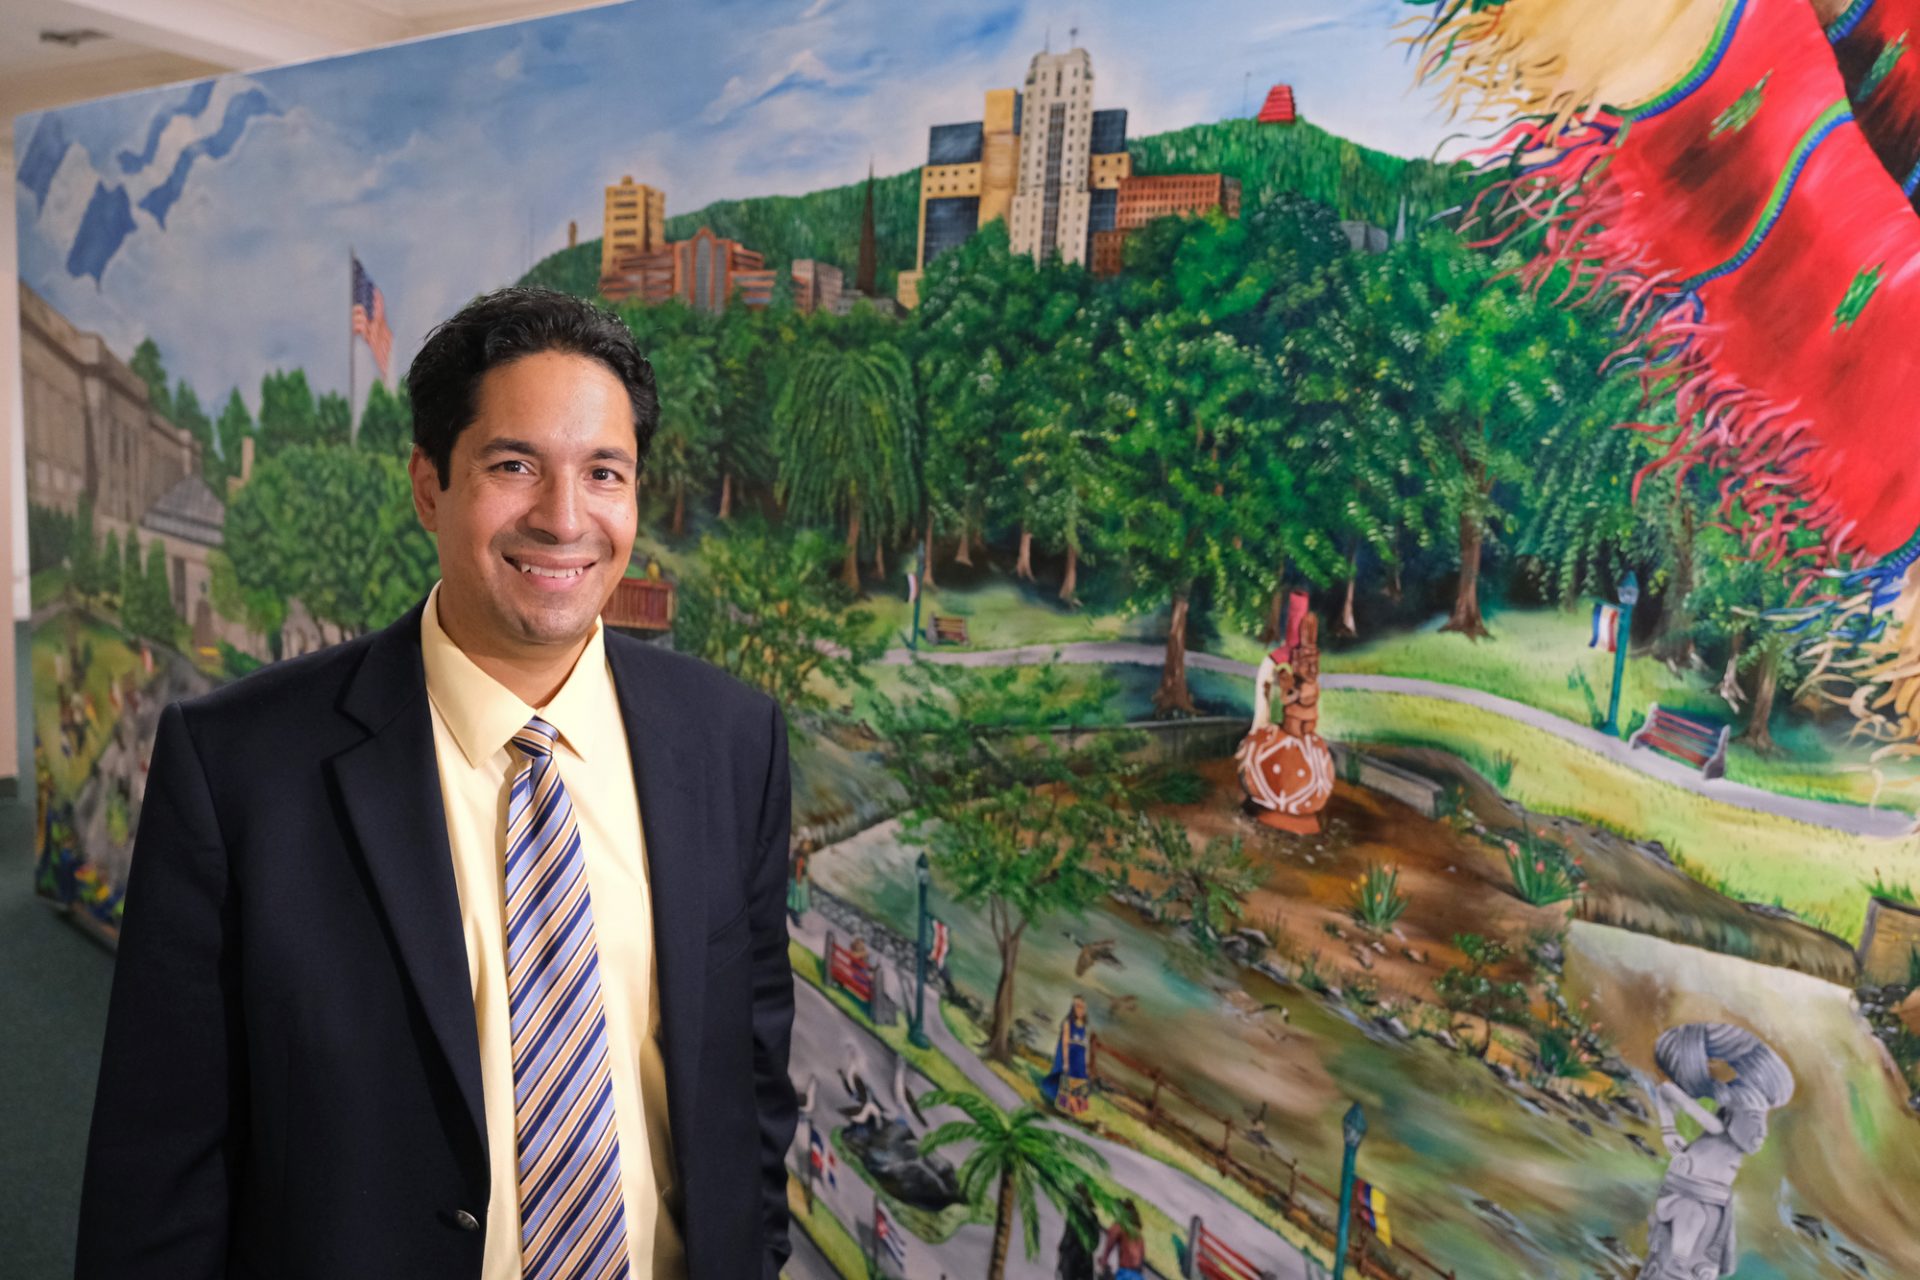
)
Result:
{"points": [[1691, 1229], [1286, 768]]}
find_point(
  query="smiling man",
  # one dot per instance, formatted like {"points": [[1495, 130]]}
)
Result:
{"points": [[460, 950]]}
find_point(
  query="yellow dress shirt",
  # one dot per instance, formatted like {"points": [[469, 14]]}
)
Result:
{"points": [[474, 719]]}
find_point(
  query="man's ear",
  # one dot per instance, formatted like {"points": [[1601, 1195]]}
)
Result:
{"points": [[426, 489]]}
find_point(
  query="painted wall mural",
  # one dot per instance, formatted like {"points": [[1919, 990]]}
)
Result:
{"points": [[1344, 575]]}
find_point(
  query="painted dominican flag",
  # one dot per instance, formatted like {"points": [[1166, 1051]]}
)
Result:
{"points": [[891, 1238], [1606, 627], [370, 318], [1371, 1204], [937, 953], [822, 1158]]}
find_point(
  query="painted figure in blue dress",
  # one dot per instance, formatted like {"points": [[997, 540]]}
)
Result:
{"points": [[1069, 1085]]}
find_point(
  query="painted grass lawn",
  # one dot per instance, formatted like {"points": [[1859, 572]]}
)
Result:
{"points": [[1822, 874], [1003, 613]]}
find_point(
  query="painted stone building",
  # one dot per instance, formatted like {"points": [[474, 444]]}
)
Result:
{"points": [[90, 428]]}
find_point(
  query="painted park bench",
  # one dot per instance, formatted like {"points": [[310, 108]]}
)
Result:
{"points": [[851, 971], [949, 630], [1700, 743]]}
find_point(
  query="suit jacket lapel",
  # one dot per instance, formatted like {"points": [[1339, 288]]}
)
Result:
{"points": [[675, 832], [390, 787]]}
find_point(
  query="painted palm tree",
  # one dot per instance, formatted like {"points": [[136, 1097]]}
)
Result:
{"points": [[1021, 1155], [845, 443]]}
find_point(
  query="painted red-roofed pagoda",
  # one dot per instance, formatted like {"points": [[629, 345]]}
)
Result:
{"points": [[1278, 108]]}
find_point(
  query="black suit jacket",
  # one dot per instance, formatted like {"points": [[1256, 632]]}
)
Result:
{"points": [[291, 1080]]}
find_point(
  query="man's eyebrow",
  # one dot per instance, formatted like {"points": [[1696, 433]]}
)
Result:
{"points": [[506, 444]]}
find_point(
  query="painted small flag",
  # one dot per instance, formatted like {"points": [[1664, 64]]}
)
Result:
{"points": [[889, 1235], [942, 937], [822, 1157], [1371, 1202], [370, 318], [913, 586], [1606, 627]]}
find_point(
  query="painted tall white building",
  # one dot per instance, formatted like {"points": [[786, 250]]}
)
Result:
{"points": [[1052, 201]]}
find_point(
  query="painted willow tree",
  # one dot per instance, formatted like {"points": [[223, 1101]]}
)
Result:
{"points": [[846, 440]]}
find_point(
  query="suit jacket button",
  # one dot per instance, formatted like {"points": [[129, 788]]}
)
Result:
{"points": [[465, 1221]]}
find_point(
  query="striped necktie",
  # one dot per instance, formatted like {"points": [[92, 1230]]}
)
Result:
{"points": [[572, 1222]]}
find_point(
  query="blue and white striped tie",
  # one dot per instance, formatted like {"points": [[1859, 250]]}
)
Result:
{"points": [[572, 1222]]}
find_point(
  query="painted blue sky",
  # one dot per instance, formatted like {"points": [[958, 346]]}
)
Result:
{"points": [[217, 217]]}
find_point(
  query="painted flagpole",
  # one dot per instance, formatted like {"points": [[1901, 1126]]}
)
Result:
{"points": [[352, 434]]}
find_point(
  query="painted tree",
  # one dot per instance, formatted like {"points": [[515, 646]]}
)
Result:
{"points": [[188, 413], [747, 368], [386, 421], [1474, 988], [288, 415], [233, 429], [334, 528], [111, 580], [1733, 596], [1013, 818], [1199, 496], [1013, 1157], [681, 457], [979, 303], [1052, 454], [1467, 374], [150, 368], [847, 441], [332, 420], [762, 604]]}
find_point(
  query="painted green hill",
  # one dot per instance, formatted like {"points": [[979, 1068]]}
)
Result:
{"points": [[1355, 181]]}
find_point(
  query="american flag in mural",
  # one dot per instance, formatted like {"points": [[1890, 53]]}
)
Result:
{"points": [[937, 953], [370, 318]]}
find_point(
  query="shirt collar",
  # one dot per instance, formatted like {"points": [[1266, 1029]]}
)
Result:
{"points": [[483, 714]]}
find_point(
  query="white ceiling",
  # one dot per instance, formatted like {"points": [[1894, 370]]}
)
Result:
{"points": [[156, 42]]}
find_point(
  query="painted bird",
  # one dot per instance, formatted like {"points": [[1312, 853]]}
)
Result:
{"points": [[1092, 953]]}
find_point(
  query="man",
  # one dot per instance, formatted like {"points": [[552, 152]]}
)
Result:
{"points": [[1124, 1245], [459, 950]]}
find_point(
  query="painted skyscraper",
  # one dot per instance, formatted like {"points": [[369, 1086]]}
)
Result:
{"points": [[1053, 199]]}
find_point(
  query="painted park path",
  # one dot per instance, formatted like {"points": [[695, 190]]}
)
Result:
{"points": [[1853, 819], [964, 1255]]}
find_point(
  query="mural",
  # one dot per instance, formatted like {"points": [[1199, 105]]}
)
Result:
{"points": [[1343, 573]]}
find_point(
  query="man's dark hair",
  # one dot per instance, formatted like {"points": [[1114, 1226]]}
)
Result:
{"points": [[503, 326]]}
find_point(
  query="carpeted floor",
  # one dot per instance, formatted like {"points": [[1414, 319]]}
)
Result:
{"points": [[53, 1005]]}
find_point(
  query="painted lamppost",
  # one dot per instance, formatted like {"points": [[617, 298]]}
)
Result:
{"points": [[1352, 1128], [917, 1033], [914, 579], [1629, 596]]}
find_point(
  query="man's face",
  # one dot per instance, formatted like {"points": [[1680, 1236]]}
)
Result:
{"points": [[538, 516]]}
